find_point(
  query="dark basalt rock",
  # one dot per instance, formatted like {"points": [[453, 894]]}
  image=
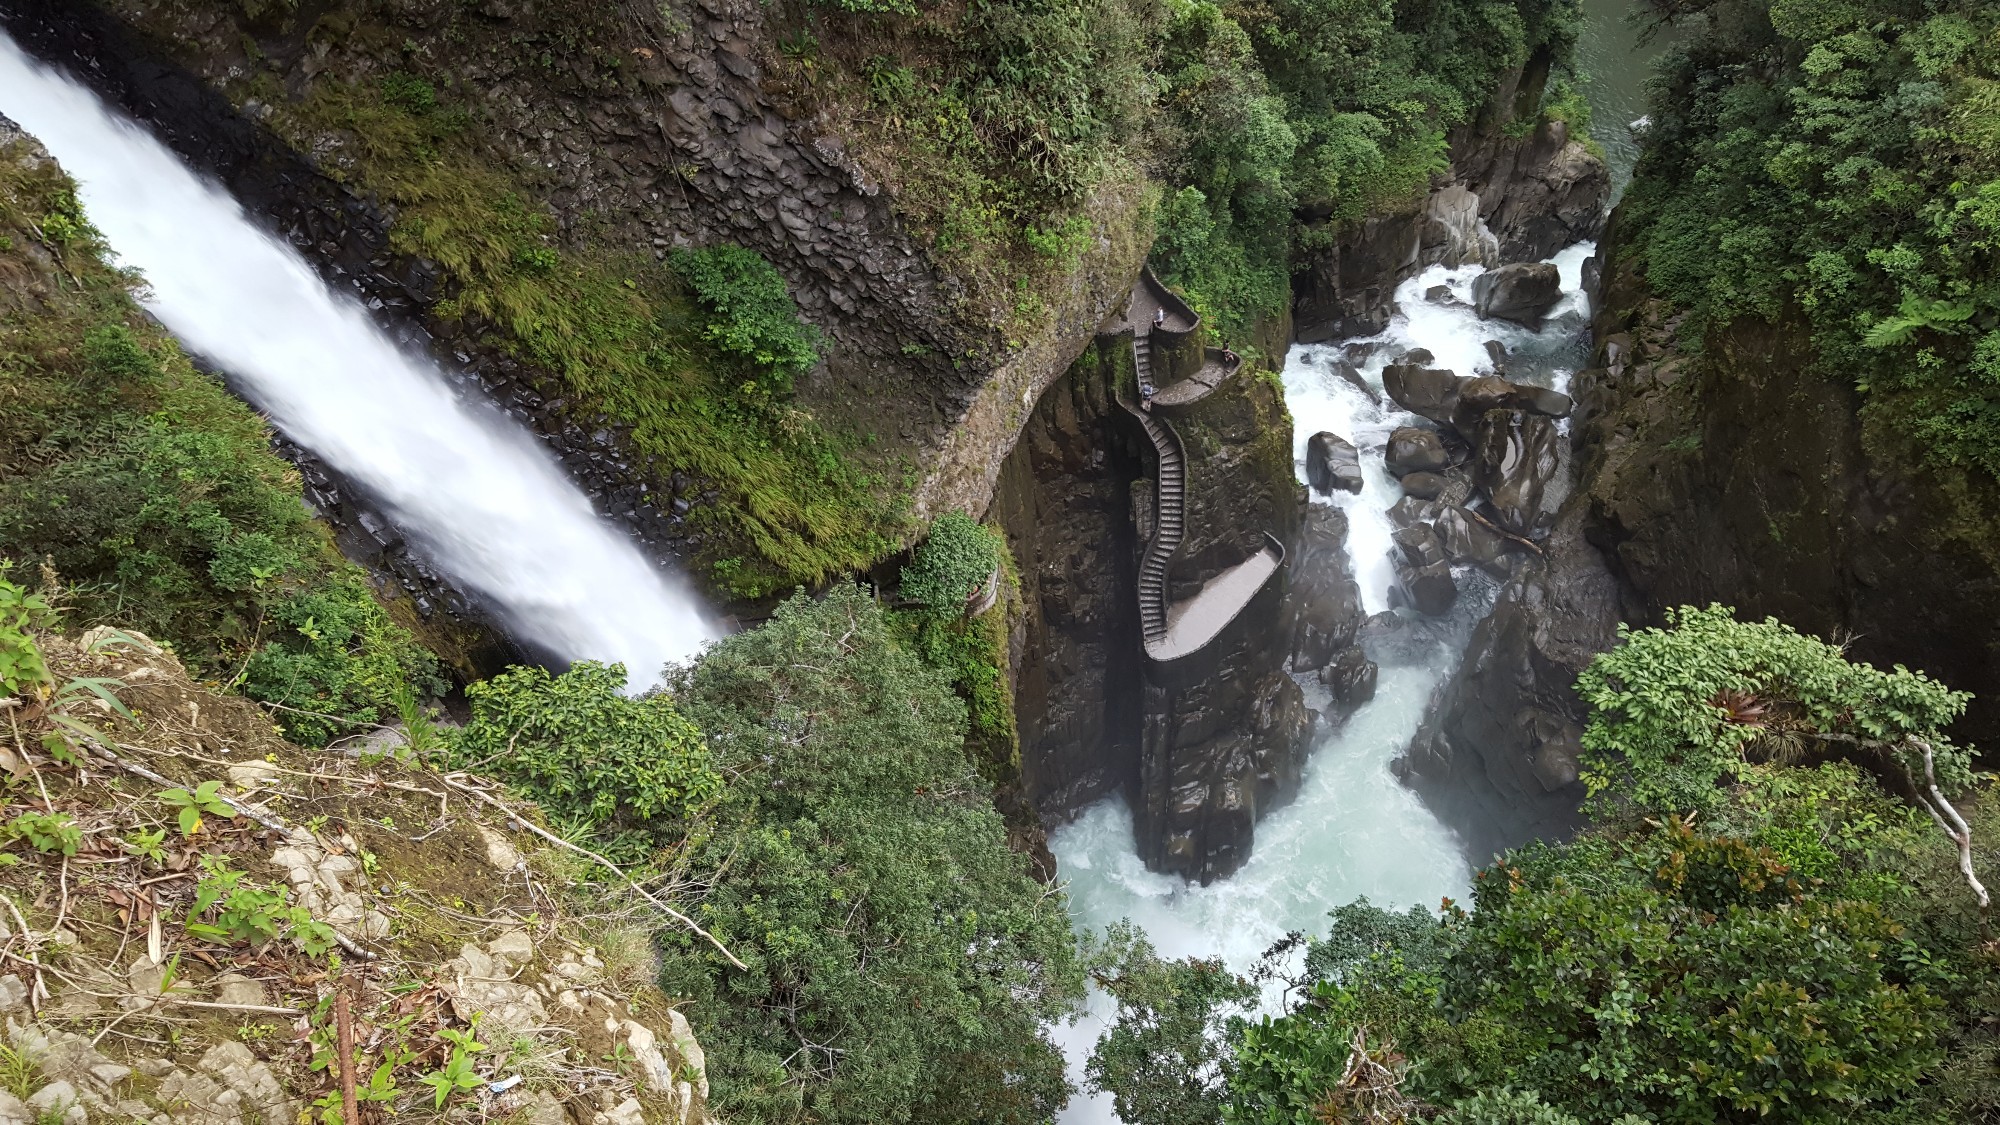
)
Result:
{"points": [[1468, 541], [1325, 600], [1424, 486], [1523, 292], [1413, 450], [1490, 392], [1514, 458], [1332, 464], [1429, 589], [1351, 677], [1419, 545], [1429, 392]]}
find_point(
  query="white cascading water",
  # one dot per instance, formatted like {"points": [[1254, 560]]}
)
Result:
{"points": [[484, 502], [1354, 830]]}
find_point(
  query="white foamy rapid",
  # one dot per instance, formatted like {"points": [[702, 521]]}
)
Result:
{"points": [[485, 503], [1354, 830]]}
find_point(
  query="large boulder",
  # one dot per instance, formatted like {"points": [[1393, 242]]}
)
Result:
{"points": [[1430, 392], [1419, 545], [1414, 450], [1522, 292], [1467, 540], [1332, 463], [1428, 589], [1325, 599], [1478, 395], [1514, 457], [1351, 677], [1453, 235], [1424, 486]]}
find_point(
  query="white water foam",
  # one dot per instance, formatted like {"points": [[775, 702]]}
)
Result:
{"points": [[481, 499], [1354, 830]]}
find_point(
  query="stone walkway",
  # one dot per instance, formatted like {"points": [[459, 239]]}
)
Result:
{"points": [[1196, 621]]}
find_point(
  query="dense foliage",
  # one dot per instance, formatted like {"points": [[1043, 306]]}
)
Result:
{"points": [[1797, 947], [1838, 164], [596, 759], [902, 961], [154, 496], [1281, 120]]}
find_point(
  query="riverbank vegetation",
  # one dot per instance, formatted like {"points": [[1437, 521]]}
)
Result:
{"points": [[135, 488], [1838, 166], [1765, 922]]}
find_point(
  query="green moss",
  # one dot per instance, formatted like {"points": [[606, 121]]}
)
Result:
{"points": [[152, 493], [633, 343]]}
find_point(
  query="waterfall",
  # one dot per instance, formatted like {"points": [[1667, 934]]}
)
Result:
{"points": [[475, 493], [1354, 830]]}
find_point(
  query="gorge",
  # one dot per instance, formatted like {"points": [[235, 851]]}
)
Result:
{"points": [[1317, 523]]}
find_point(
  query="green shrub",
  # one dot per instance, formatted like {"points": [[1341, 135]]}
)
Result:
{"points": [[22, 669], [953, 564], [751, 313], [592, 756], [869, 887]]}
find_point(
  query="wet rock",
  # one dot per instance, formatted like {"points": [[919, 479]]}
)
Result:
{"points": [[1350, 289], [1522, 292], [1468, 541], [1326, 601], [1351, 677], [1423, 486], [1352, 375], [1413, 450], [1490, 392], [1410, 511], [1418, 356], [1430, 392], [1496, 351], [1438, 294], [1453, 234], [1332, 464], [1430, 590], [1419, 545], [1514, 458]]}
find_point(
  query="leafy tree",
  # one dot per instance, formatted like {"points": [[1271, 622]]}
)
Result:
{"points": [[1164, 1060], [589, 753], [903, 963]]}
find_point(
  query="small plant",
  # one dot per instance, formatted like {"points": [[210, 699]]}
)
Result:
{"points": [[457, 1073], [146, 844], [243, 912], [22, 670], [193, 805], [751, 312], [47, 833]]}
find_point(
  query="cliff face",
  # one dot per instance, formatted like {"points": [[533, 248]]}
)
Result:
{"points": [[1742, 475], [639, 131]]}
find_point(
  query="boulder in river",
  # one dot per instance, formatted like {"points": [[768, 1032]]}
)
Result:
{"points": [[1419, 545], [1429, 589], [1431, 392], [1423, 486], [1478, 395], [1351, 677], [1332, 464], [1413, 450], [1522, 292], [1327, 601], [1410, 511], [1468, 540], [1514, 458]]}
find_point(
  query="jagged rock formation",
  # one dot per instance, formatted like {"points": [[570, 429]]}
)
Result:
{"points": [[1202, 464]]}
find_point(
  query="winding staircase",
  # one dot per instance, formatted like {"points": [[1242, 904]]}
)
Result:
{"points": [[1165, 344]]}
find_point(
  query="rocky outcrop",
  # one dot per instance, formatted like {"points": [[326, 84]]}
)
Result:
{"points": [[1753, 477], [1326, 601], [1514, 459], [1413, 449]]}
